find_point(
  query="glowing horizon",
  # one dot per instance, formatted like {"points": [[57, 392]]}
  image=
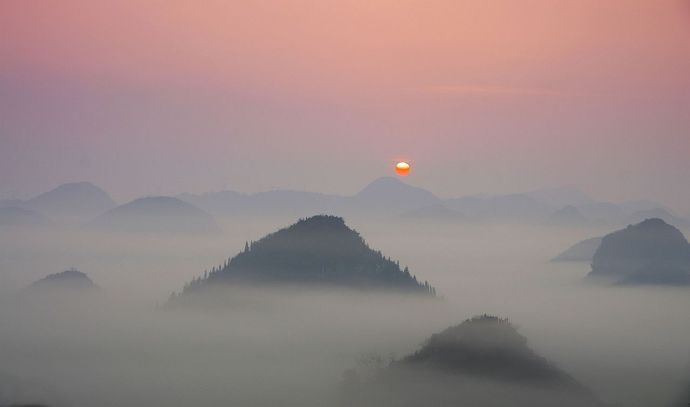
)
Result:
{"points": [[488, 96]]}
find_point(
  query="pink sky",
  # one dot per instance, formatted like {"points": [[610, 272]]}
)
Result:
{"points": [[481, 96]]}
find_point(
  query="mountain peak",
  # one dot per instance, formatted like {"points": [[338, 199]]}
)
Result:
{"points": [[389, 183], [71, 279], [484, 350], [651, 251], [388, 194], [81, 199], [318, 250]]}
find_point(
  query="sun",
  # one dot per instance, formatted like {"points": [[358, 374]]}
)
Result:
{"points": [[402, 168]]}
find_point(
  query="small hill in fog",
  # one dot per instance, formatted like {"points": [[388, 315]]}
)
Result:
{"points": [[650, 252], [489, 347], [80, 200], [69, 279], [483, 361], [320, 250], [580, 251], [156, 215], [20, 217]]}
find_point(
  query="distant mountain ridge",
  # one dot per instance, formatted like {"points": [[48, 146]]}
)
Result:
{"points": [[320, 250], [383, 197], [78, 199], [156, 215], [16, 216]]}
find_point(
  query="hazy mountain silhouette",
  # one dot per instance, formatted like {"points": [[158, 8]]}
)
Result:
{"points": [[79, 200], [437, 212], [156, 215], [320, 250], [580, 251], [651, 252], [4, 203], [660, 213], [640, 205], [390, 195], [511, 207], [14, 216], [568, 215], [483, 361], [559, 197], [384, 195], [69, 279], [217, 203], [603, 212], [282, 202]]}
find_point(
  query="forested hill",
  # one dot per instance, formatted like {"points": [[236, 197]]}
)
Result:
{"points": [[318, 250]]}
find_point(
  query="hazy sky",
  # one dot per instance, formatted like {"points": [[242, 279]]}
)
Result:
{"points": [[481, 96]]}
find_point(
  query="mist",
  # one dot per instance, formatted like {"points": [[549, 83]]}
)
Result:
{"points": [[291, 346]]}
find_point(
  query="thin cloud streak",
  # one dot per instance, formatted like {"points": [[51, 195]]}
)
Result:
{"points": [[490, 90]]}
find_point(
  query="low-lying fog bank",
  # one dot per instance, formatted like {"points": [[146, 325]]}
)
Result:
{"points": [[285, 347]]}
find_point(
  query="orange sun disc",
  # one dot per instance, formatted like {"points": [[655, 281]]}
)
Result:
{"points": [[402, 168]]}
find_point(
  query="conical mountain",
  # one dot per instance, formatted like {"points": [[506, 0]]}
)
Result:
{"points": [[490, 347], [320, 250], [71, 279], [81, 200], [390, 195], [482, 362]]}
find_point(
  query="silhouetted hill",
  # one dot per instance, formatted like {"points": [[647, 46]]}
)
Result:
{"points": [[483, 361], [651, 252], [156, 215], [490, 347], [13, 216], [69, 279], [385, 195], [81, 200], [659, 213], [390, 195], [320, 250], [580, 251]]}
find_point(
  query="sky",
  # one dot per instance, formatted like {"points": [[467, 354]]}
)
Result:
{"points": [[161, 97]]}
